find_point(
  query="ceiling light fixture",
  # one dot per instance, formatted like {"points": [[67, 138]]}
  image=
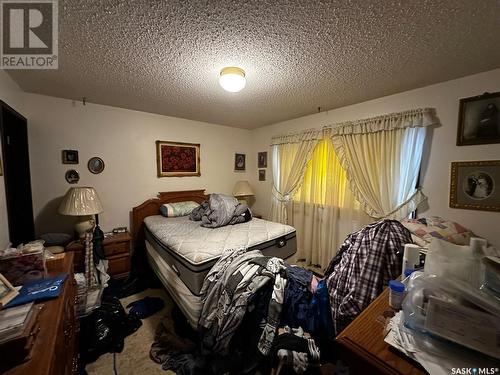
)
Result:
{"points": [[232, 79]]}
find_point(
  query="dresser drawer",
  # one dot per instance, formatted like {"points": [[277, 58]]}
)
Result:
{"points": [[116, 248], [119, 265]]}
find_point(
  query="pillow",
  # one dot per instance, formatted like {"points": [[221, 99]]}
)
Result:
{"points": [[425, 229], [178, 208]]}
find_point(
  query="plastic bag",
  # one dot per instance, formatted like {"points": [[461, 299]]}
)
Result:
{"points": [[452, 261], [453, 310], [105, 329]]}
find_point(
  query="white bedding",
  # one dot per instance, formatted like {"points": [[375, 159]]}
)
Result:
{"points": [[189, 303], [198, 245]]}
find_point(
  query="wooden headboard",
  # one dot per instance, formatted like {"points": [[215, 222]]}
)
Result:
{"points": [[152, 207]]}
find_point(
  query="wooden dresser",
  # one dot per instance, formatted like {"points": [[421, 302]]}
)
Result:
{"points": [[362, 348], [55, 351]]}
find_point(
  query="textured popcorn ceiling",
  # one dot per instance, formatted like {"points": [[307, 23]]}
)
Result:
{"points": [[165, 56]]}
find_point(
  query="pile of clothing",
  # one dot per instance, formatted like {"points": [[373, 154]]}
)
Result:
{"points": [[220, 210], [261, 315]]}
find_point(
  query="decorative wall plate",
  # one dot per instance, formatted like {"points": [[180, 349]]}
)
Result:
{"points": [[95, 165]]}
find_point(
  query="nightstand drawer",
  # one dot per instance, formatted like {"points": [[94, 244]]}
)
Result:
{"points": [[119, 266], [116, 248]]}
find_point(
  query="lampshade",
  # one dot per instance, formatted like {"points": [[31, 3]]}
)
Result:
{"points": [[242, 189], [232, 79], [80, 201]]}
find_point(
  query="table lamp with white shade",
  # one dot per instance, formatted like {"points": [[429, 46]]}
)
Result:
{"points": [[242, 191], [83, 202]]}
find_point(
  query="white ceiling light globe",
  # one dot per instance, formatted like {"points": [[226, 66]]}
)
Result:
{"points": [[232, 79]]}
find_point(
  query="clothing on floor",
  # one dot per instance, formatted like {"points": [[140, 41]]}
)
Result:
{"points": [[298, 361], [297, 311], [304, 307], [178, 348], [365, 262], [145, 307], [229, 285], [276, 266], [294, 348], [173, 341]]}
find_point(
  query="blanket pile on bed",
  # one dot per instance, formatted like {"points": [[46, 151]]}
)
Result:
{"points": [[221, 210]]}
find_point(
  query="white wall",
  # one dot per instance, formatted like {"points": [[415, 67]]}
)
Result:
{"points": [[125, 140], [443, 150], [11, 94]]}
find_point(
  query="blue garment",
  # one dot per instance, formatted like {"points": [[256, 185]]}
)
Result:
{"points": [[302, 308], [145, 307], [296, 311], [321, 307]]}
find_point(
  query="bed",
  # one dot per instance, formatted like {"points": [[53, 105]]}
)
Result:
{"points": [[181, 252]]}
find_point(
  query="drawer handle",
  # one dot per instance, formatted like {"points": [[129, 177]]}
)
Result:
{"points": [[281, 242]]}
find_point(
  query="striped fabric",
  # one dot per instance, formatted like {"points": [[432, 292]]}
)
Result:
{"points": [[178, 208], [365, 262]]}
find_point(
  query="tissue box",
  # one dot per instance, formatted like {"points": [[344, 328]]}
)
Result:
{"points": [[21, 268]]}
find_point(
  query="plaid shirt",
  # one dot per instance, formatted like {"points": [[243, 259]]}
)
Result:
{"points": [[365, 262]]}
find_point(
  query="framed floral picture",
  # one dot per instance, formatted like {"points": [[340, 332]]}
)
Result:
{"points": [[176, 159], [475, 185]]}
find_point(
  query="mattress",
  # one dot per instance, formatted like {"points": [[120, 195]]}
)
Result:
{"points": [[189, 304], [191, 250]]}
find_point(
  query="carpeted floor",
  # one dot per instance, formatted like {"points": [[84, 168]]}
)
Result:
{"points": [[135, 356]]}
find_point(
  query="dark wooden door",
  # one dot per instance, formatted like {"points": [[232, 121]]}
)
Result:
{"points": [[16, 165]]}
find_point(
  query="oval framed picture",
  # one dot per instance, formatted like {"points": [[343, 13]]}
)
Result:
{"points": [[95, 165], [72, 176]]}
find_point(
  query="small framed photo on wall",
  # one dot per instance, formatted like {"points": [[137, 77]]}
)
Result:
{"points": [[70, 157], [475, 185], [262, 159], [479, 120], [239, 162], [262, 175]]}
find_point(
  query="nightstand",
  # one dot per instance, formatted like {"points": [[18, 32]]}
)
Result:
{"points": [[363, 349], [116, 249]]}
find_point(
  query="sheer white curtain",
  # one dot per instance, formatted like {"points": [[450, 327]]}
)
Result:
{"points": [[323, 209], [382, 159], [329, 182], [290, 155]]}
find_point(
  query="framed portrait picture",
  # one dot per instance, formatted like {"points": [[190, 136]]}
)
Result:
{"points": [[177, 159], [262, 175], [95, 165], [262, 159], [239, 162], [70, 157], [479, 120], [475, 185]]}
